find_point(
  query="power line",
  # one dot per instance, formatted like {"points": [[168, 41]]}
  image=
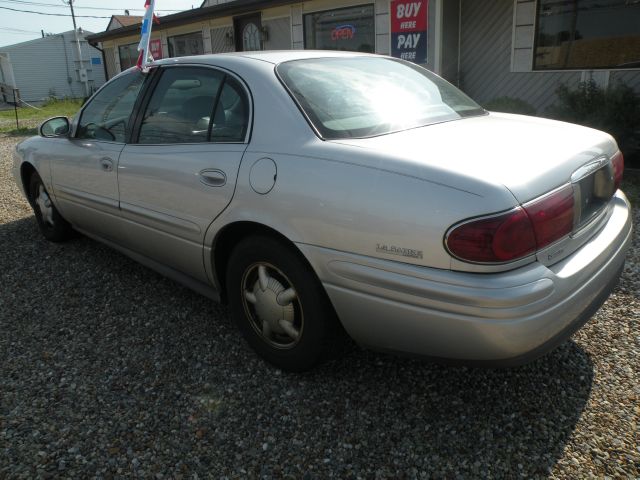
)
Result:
{"points": [[17, 31], [37, 4], [51, 14], [43, 4]]}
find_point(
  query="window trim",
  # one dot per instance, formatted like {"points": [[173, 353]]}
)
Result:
{"points": [[534, 46], [141, 108]]}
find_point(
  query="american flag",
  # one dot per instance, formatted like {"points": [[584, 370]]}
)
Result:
{"points": [[143, 47]]}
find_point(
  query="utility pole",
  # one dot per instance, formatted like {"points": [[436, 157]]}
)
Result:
{"points": [[82, 72]]}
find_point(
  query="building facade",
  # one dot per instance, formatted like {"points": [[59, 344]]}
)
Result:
{"points": [[49, 67], [526, 49], [517, 48]]}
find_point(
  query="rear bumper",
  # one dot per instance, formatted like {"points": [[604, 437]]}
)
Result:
{"points": [[503, 318]]}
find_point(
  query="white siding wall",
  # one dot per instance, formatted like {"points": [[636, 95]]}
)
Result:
{"points": [[279, 30], [49, 66], [222, 39]]}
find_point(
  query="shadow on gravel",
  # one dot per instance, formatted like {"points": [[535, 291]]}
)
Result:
{"points": [[108, 369]]}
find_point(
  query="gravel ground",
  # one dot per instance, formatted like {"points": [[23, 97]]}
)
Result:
{"points": [[107, 370]]}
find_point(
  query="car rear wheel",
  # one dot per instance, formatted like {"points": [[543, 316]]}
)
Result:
{"points": [[51, 224], [279, 305]]}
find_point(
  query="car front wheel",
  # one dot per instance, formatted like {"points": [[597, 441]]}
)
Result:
{"points": [[51, 224], [279, 305]]}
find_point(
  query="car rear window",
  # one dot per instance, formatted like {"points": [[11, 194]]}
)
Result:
{"points": [[358, 97]]}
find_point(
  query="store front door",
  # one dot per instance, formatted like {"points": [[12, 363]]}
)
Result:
{"points": [[248, 33]]}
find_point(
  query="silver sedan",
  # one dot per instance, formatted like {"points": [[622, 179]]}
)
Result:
{"points": [[319, 193]]}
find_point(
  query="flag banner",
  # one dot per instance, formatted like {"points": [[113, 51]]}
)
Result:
{"points": [[145, 58]]}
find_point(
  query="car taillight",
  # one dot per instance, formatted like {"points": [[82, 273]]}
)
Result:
{"points": [[495, 239], [618, 168], [552, 216], [515, 234]]}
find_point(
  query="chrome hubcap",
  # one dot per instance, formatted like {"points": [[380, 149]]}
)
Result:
{"points": [[272, 305], [44, 205]]}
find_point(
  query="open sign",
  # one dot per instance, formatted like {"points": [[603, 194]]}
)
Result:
{"points": [[343, 32]]}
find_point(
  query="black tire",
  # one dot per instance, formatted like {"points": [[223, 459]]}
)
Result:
{"points": [[51, 224], [310, 312]]}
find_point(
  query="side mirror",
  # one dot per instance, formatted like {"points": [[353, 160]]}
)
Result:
{"points": [[55, 127]]}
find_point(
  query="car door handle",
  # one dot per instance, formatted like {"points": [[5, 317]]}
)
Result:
{"points": [[106, 164], [213, 178]]}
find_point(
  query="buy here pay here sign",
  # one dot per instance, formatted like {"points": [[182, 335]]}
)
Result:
{"points": [[409, 30]]}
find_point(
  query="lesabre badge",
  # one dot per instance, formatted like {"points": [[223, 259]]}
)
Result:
{"points": [[145, 57]]}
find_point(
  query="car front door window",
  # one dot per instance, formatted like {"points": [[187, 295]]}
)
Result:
{"points": [[107, 115]]}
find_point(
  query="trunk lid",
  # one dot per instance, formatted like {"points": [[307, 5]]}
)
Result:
{"points": [[529, 156]]}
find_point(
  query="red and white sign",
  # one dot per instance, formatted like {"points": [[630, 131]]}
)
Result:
{"points": [[155, 48], [408, 15], [409, 29]]}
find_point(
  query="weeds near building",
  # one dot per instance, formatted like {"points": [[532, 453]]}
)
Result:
{"points": [[615, 109]]}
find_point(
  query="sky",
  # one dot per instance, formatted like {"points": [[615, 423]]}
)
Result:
{"points": [[20, 26]]}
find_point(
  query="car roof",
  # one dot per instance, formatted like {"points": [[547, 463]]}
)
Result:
{"points": [[271, 56]]}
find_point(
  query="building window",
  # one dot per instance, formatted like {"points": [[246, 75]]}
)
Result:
{"points": [[128, 55], [188, 44], [350, 28], [587, 34]]}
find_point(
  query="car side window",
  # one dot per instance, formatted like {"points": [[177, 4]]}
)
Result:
{"points": [[106, 117], [231, 119], [182, 106]]}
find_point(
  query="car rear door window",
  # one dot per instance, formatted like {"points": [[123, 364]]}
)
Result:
{"points": [[181, 107], [107, 115], [194, 105], [231, 119]]}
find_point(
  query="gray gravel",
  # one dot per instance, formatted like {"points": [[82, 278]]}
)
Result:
{"points": [[107, 370]]}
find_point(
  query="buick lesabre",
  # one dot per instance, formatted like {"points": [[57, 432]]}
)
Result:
{"points": [[319, 193]]}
